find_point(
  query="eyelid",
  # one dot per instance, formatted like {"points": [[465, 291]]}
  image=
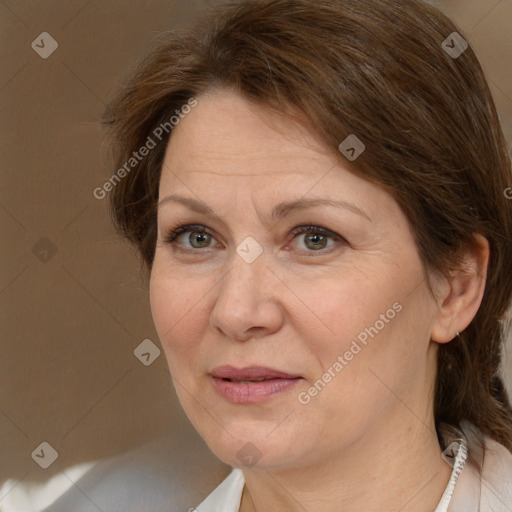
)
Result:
{"points": [[173, 233], [306, 228]]}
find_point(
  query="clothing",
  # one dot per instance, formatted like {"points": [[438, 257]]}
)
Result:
{"points": [[170, 473], [481, 478]]}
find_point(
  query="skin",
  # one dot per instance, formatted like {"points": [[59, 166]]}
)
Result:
{"points": [[367, 441]]}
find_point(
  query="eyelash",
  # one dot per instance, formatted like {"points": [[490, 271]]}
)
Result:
{"points": [[171, 238]]}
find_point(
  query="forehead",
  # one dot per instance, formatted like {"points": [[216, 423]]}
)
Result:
{"points": [[227, 151], [226, 135]]}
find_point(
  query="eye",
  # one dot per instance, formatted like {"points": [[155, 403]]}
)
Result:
{"points": [[316, 238], [199, 237]]}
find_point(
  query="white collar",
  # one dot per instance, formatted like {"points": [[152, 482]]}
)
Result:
{"points": [[226, 497], [455, 454]]}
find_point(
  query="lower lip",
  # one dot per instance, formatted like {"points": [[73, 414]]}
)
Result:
{"points": [[252, 392]]}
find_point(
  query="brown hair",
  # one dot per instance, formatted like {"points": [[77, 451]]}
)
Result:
{"points": [[376, 69]]}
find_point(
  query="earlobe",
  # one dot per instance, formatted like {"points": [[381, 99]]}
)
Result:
{"points": [[462, 292]]}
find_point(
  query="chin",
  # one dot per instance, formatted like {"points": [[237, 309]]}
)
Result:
{"points": [[247, 445]]}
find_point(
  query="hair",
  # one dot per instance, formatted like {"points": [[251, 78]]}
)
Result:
{"points": [[377, 70]]}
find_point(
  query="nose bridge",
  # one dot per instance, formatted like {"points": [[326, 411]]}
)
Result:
{"points": [[244, 302], [247, 269]]}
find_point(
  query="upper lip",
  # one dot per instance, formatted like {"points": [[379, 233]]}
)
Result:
{"points": [[250, 373]]}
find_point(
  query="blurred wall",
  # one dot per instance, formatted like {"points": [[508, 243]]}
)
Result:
{"points": [[74, 305]]}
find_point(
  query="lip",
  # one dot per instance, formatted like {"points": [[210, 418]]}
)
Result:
{"points": [[274, 382], [250, 372]]}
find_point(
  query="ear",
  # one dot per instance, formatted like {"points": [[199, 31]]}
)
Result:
{"points": [[461, 294]]}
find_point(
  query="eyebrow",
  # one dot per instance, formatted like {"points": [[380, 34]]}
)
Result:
{"points": [[279, 212]]}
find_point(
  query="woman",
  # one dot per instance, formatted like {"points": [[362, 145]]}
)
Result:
{"points": [[317, 189]]}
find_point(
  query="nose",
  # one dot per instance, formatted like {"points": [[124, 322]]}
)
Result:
{"points": [[248, 303]]}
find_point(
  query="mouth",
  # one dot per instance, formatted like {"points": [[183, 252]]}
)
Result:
{"points": [[251, 384]]}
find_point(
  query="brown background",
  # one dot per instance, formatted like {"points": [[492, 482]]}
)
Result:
{"points": [[71, 320]]}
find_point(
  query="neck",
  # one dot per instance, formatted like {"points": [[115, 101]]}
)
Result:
{"points": [[398, 467]]}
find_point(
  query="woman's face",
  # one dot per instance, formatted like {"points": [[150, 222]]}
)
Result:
{"points": [[335, 319]]}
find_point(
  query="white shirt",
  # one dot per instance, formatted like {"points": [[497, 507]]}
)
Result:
{"points": [[484, 487]]}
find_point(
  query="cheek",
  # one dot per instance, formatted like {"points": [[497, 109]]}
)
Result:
{"points": [[342, 305], [176, 311], [371, 319], [379, 350]]}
